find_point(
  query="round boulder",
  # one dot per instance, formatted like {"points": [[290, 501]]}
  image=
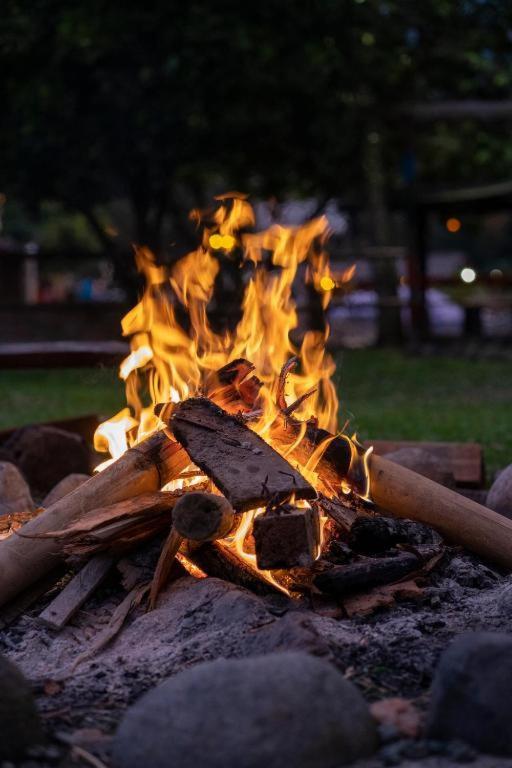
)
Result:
{"points": [[276, 710], [471, 693], [67, 485], [14, 492], [21, 728], [499, 497]]}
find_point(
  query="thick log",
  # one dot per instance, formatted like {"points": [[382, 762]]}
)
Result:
{"points": [[342, 579], [203, 517], [286, 537], [147, 467], [247, 470], [404, 493], [57, 614]]}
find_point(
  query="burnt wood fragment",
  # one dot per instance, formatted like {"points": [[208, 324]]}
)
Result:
{"points": [[286, 537], [343, 579], [203, 516], [373, 535], [247, 470]]}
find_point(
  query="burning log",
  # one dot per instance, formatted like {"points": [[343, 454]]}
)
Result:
{"points": [[373, 535], [404, 493], [247, 470], [203, 517], [285, 537], [146, 467], [341, 579]]}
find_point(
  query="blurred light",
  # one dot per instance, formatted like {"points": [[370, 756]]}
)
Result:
{"points": [[468, 275], [111, 231], [3, 198], [403, 280], [226, 242], [453, 225], [496, 274], [367, 38], [327, 283], [215, 242]]}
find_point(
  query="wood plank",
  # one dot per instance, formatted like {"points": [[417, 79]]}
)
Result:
{"points": [[286, 537], [76, 592], [463, 460], [247, 470]]}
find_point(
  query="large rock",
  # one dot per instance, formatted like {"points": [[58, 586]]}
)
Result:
{"points": [[46, 455], [499, 497], [471, 693], [21, 728], [284, 709], [424, 463], [14, 492], [67, 485]]}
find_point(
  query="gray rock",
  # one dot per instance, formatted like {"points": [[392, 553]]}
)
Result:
{"points": [[499, 497], [424, 463], [471, 693], [285, 709], [46, 455], [14, 492], [66, 485], [21, 728]]}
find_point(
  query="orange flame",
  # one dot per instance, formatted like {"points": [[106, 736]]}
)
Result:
{"points": [[170, 362]]}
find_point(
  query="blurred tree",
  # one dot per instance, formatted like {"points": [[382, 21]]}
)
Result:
{"points": [[165, 102]]}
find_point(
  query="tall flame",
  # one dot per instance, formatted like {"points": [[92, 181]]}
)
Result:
{"points": [[175, 351]]}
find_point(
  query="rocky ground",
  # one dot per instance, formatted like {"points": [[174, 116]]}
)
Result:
{"points": [[217, 676]]}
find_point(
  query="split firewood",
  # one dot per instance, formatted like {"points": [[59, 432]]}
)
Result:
{"points": [[164, 565], [58, 613], [247, 470], [383, 596], [203, 517], [374, 535], [147, 467], [343, 579], [343, 513], [286, 536]]}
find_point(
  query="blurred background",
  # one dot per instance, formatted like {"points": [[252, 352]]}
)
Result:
{"points": [[391, 117]]}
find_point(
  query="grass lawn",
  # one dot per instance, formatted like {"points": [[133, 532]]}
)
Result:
{"points": [[385, 394]]}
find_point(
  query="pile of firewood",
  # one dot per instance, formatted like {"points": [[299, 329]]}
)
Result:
{"points": [[228, 471]]}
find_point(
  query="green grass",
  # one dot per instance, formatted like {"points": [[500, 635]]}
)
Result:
{"points": [[385, 394]]}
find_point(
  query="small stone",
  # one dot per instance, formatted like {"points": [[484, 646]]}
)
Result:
{"points": [[499, 497], [21, 728], [424, 463], [67, 485], [46, 455], [14, 492], [285, 709], [471, 693]]}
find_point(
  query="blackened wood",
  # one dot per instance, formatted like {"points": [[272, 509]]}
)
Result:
{"points": [[343, 513], [286, 537], [342, 579], [247, 470], [57, 614], [217, 560], [333, 464], [373, 535], [203, 516]]}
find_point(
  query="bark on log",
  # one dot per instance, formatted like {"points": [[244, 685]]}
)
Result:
{"points": [[144, 468], [203, 517], [374, 535], [404, 493], [341, 579], [247, 470], [286, 537]]}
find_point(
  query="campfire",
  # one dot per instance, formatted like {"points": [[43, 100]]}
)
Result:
{"points": [[229, 448]]}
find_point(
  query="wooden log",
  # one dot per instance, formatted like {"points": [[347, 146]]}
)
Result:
{"points": [[286, 537], [343, 514], [219, 561], [404, 493], [342, 579], [57, 614], [203, 517], [147, 467], [247, 470], [374, 535]]}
